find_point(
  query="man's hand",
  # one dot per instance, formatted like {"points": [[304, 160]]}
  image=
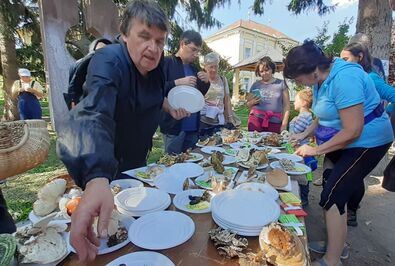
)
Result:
{"points": [[189, 80], [203, 76], [97, 200], [283, 127], [178, 114]]}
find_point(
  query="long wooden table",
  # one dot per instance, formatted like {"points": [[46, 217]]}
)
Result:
{"points": [[198, 250]]}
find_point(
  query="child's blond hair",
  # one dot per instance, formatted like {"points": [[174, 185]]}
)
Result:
{"points": [[307, 96]]}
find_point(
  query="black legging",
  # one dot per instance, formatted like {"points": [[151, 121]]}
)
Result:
{"points": [[7, 225], [343, 184]]}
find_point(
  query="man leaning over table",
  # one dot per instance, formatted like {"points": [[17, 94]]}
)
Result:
{"points": [[111, 129], [179, 69]]}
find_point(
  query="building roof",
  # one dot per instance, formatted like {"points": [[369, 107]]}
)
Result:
{"points": [[255, 26], [249, 63]]}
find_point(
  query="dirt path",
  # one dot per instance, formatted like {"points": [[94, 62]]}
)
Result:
{"points": [[373, 240]]}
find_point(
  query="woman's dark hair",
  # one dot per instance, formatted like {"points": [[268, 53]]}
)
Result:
{"points": [[356, 49], [266, 62], [377, 66], [304, 59]]}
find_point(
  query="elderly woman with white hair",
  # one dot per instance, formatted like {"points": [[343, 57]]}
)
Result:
{"points": [[217, 110], [28, 92]]}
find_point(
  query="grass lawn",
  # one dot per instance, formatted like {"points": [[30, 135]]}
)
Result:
{"points": [[21, 191]]}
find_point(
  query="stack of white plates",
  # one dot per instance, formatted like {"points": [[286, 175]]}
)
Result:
{"points": [[141, 200], [244, 212]]}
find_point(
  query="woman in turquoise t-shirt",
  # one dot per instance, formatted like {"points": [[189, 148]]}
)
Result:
{"points": [[357, 53], [346, 105]]}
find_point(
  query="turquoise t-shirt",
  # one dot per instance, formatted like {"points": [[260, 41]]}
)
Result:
{"points": [[347, 85]]}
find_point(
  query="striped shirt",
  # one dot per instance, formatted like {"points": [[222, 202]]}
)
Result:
{"points": [[300, 123]]}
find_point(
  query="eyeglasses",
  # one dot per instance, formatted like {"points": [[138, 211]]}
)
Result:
{"points": [[194, 50]]}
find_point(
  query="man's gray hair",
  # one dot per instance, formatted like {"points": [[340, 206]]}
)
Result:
{"points": [[211, 58], [147, 11], [361, 38]]}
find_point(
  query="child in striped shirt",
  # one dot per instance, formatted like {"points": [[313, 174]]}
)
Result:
{"points": [[299, 124]]}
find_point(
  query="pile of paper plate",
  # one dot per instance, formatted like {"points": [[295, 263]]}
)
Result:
{"points": [[139, 201], [244, 212]]}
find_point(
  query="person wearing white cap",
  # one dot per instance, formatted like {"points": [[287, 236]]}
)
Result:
{"points": [[28, 92]]}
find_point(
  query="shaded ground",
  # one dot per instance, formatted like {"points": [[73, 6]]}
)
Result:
{"points": [[373, 240]]}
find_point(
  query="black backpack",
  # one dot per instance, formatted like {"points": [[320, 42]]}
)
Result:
{"points": [[77, 77]]}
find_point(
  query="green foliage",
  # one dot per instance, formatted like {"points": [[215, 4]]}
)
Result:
{"points": [[322, 36], [338, 41], [340, 38], [298, 6], [31, 57]]}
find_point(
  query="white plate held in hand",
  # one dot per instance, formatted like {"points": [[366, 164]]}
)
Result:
{"points": [[186, 97]]}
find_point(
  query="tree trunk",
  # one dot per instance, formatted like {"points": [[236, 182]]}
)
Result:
{"points": [[9, 68], [391, 76], [375, 20]]}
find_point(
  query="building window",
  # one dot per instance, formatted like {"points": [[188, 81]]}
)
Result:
{"points": [[247, 52], [246, 86]]}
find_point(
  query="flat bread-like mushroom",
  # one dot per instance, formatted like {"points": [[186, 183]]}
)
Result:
{"points": [[277, 178]]}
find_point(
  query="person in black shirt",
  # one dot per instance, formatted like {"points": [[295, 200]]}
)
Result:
{"points": [[111, 129], [179, 69]]}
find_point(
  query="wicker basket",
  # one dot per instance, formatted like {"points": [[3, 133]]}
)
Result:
{"points": [[24, 144]]}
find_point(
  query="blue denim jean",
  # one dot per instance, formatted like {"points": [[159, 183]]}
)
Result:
{"points": [[28, 106], [175, 144]]}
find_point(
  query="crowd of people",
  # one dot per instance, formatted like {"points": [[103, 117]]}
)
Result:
{"points": [[110, 129]]}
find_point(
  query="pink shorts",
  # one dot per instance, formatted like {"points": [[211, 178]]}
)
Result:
{"points": [[255, 124]]}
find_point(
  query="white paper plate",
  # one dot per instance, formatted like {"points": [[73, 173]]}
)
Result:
{"points": [[171, 182], [140, 258], [260, 187], [141, 199], [241, 232], [126, 183], [181, 200], [261, 166], [242, 145], [195, 157], [231, 152], [161, 230], [245, 209], [275, 147], [211, 149], [237, 230], [133, 173], [35, 218], [186, 169], [202, 146], [227, 160], [186, 97], [54, 263], [273, 151], [305, 168], [103, 248], [293, 157], [251, 140], [162, 207]]}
